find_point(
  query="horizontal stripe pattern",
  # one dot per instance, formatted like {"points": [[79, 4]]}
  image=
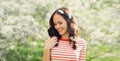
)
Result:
{"points": [[64, 51]]}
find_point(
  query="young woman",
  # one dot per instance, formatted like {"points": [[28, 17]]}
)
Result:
{"points": [[63, 43]]}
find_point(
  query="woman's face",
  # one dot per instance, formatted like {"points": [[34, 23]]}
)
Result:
{"points": [[60, 24]]}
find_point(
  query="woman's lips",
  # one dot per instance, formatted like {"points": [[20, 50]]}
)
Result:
{"points": [[59, 30]]}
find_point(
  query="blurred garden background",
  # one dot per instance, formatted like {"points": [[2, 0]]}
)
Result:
{"points": [[24, 23]]}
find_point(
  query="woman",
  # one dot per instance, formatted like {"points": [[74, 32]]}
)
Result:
{"points": [[63, 43]]}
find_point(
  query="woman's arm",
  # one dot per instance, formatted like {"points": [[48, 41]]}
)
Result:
{"points": [[46, 56], [49, 43]]}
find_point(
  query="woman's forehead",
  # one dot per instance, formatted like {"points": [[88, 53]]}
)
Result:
{"points": [[57, 17]]}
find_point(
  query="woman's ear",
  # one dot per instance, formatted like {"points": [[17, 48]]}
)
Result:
{"points": [[74, 26]]}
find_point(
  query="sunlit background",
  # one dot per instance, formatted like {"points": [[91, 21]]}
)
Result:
{"points": [[24, 23]]}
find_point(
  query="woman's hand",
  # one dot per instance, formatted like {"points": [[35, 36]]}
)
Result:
{"points": [[50, 42]]}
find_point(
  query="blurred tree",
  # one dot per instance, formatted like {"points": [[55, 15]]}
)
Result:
{"points": [[23, 27]]}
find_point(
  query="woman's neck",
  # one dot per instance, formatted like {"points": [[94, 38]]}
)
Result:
{"points": [[66, 36]]}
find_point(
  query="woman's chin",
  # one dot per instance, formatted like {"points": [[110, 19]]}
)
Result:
{"points": [[61, 33]]}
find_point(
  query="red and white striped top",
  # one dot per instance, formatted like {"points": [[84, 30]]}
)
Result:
{"points": [[65, 52]]}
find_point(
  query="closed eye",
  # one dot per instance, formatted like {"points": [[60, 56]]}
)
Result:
{"points": [[59, 22], [55, 24]]}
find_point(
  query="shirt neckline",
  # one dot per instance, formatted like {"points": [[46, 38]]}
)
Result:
{"points": [[64, 39]]}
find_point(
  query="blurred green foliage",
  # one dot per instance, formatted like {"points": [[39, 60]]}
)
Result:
{"points": [[24, 23]]}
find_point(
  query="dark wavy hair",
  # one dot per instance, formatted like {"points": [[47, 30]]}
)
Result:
{"points": [[64, 12]]}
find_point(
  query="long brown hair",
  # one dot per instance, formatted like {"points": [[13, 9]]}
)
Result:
{"points": [[72, 26]]}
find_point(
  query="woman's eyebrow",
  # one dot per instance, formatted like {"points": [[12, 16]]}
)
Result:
{"points": [[57, 22]]}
